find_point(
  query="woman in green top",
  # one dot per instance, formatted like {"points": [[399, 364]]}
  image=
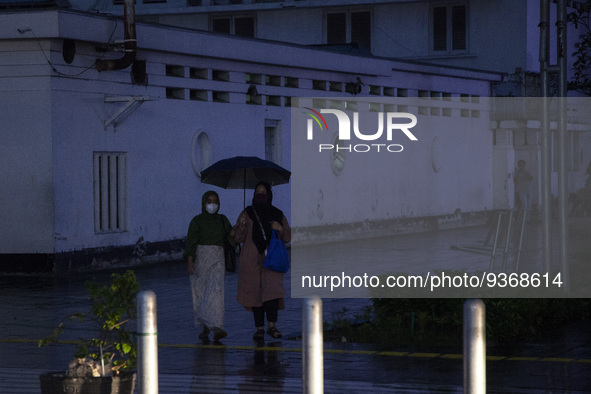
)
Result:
{"points": [[204, 252]]}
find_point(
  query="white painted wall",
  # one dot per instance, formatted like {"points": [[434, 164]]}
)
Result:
{"points": [[26, 162], [298, 26], [448, 170], [163, 191], [399, 30], [503, 34], [57, 214]]}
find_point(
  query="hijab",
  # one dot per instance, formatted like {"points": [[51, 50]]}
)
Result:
{"points": [[204, 200], [211, 228], [266, 212]]}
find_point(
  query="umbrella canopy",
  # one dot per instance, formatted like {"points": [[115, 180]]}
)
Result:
{"points": [[244, 172]]}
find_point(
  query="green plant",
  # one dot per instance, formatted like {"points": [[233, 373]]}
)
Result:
{"points": [[343, 327], [418, 320], [339, 327], [581, 79], [113, 307], [439, 320]]}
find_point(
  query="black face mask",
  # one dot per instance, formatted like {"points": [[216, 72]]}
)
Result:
{"points": [[260, 199]]}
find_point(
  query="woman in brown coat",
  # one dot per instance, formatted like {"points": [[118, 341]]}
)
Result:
{"points": [[260, 290]]}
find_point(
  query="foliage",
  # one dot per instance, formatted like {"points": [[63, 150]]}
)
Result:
{"points": [[581, 80], [113, 306], [343, 328], [511, 319], [419, 320], [428, 321]]}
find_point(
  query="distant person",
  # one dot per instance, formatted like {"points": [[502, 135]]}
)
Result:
{"points": [[204, 253], [260, 290], [523, 187]]}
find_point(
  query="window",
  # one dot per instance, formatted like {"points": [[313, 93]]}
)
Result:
{"points": [[110, 191], [175, 71], [449, 28], [336, 29], [236, 25], [221, 25], [349, 27], [273, 141], [244, 27], [361, 29]]}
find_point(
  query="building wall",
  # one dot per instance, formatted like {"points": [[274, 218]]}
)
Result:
{"points": [[160, 140], [163, 190], [493, 25], [399, 30], [502, 35], [161, 136], [447, 171], [26, 157], [298, 26]]}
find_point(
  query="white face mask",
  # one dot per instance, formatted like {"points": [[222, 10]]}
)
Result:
{"points": [[211, 208]]}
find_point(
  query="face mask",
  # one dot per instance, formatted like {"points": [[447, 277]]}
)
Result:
{"points": [[260, 199], [211, 208]]}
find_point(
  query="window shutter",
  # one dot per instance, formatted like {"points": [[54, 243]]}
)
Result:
{"points": [[439, 28], [221, 25], [361, 29], [244, 27], [458, 20], [336, 29]]}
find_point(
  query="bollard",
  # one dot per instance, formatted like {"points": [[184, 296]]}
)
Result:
{"points": [[312, 356], [147, 341], [474, 347]]}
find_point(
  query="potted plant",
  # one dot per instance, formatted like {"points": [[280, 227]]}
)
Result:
{"points": [[102, 364]]}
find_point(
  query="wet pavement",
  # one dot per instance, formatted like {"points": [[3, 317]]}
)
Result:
{"points": [[31, 306]]}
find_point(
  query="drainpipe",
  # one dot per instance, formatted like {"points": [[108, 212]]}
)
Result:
{"points": [[130, 42]]}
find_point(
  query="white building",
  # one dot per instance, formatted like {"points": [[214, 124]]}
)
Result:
{"points": [[102, 167], [492, 35]]}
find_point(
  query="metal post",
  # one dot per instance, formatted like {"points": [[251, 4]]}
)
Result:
{"points": [[147, 340], [562, 139], [545, 134], [474, 347], [522, 233], [313, 356], [508, 241], [496, 242]]}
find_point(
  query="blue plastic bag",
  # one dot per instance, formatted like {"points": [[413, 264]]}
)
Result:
{"points": [[277, 258]]}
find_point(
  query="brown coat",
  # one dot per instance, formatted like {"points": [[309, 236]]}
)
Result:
{"points": [[256, 284]]}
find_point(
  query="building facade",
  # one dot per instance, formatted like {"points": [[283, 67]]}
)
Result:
{"points": [[102, 168], [462, 33]]}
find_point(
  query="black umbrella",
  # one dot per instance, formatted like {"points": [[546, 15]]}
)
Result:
{"points": [[244, 172]]}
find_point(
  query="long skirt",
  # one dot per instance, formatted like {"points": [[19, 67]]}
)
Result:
{"points": [[207, 286]]}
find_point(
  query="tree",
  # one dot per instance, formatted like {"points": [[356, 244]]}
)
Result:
{"points": [[581, 79]]}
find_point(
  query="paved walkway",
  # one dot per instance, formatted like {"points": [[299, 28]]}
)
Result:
{"points": [[30, 307]]}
